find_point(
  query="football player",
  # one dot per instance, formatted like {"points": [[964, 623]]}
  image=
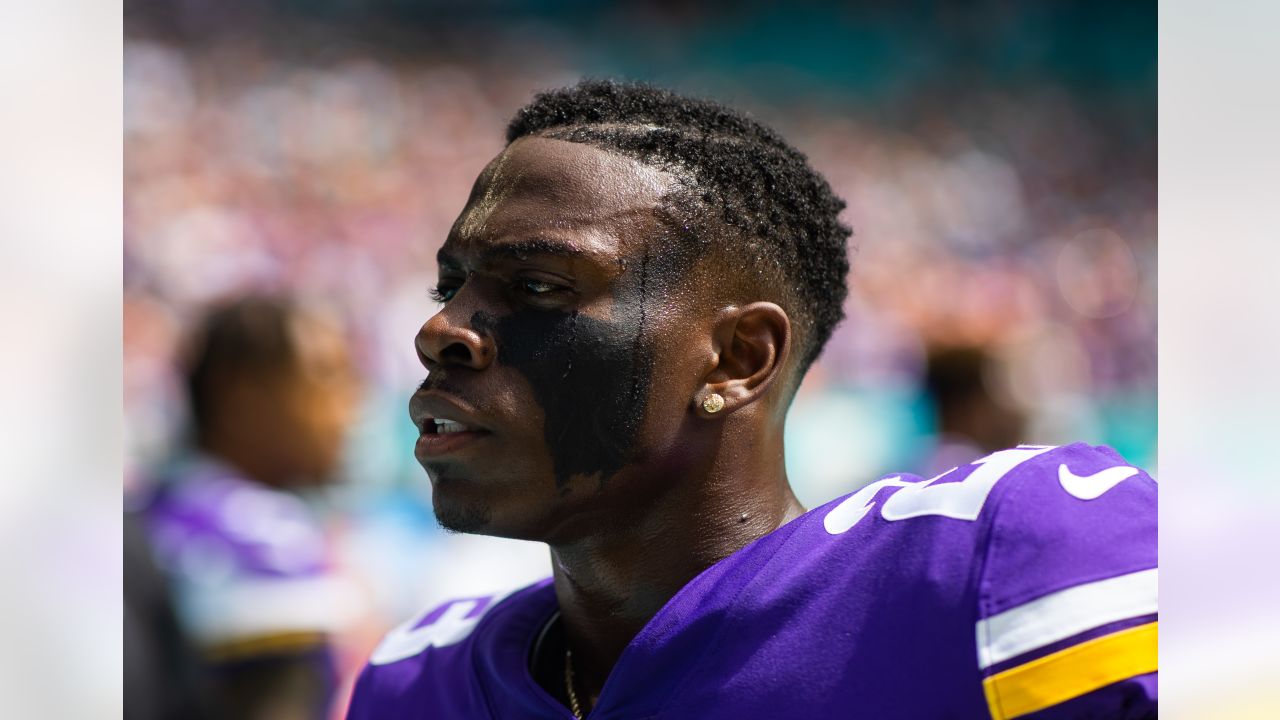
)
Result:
{"points": [[272, 391], [631, 296]]}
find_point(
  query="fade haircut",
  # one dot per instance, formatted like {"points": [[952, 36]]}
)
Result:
{"points": [[744, 193]]}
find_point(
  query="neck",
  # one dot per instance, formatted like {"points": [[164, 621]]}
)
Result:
{"points": [[609, 584]]}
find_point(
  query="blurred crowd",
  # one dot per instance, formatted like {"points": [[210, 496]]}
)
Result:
{"points": [[1003, 287]]}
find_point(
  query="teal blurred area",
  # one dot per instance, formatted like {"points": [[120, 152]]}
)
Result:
{"points": [[999, 161]]}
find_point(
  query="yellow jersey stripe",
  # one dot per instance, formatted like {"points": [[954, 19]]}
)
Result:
{"points": [[285, 643], [1071, 672]]}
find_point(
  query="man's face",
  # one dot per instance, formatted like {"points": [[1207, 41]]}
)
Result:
{"points": [[295, 418], [561, 348], [317, 402]]}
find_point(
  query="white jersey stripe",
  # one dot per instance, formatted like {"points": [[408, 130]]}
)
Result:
{"points": [[1064, 613], [243, 609]]}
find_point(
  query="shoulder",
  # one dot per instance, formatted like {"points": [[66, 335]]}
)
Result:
{"points": [[1067, 595], [246, 561], [1081, 513], [1034, 519], [1029, 486], [208, 518], [1046, 555], [436, 661], [1000, 530]]}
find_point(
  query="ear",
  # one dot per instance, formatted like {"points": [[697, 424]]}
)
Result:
{"points": [[752, 344]]}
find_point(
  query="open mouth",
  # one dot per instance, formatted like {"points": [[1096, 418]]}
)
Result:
{"points": [[445, 426], [443, 436]]}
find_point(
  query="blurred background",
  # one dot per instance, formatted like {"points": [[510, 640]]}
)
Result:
{"points": [[998, 158]]}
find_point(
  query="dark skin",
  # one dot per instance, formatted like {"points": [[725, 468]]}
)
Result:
{"points": [[576, 350]]}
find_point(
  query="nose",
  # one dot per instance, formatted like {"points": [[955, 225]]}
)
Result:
{"points": [[443, 341]]}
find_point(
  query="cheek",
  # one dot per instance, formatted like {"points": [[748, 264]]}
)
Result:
{"points": [[676, 374], [590, 377]]}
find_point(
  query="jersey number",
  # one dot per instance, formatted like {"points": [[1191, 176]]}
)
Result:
{"points": [[961, 500], [445, 625]]}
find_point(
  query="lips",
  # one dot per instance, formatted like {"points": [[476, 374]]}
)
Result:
{"points": [[445, 424]]}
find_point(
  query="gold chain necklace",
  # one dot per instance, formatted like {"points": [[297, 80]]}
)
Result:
{"points": [[568, 684]]}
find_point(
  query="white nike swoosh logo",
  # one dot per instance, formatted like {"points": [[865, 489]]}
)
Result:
{"points": [[1089, 487]]}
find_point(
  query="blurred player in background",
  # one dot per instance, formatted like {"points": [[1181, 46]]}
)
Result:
{"points": [[631, 296], [970, 419], [272, 392]]}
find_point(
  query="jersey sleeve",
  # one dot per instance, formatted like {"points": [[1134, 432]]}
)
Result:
{"points": [[431, 665], [1067, 601]]}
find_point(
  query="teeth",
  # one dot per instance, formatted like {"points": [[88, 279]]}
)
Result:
{"points": [[444, 427]]}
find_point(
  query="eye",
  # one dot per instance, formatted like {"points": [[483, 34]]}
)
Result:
{"points": [[537, 287], [442, 293]]}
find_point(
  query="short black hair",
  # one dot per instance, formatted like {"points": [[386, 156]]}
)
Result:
{"points": [[242, 337], [746, 192]]}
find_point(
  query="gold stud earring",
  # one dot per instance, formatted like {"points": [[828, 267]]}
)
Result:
{"points": [[713, 403]]}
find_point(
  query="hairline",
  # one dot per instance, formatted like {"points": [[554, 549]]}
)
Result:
{"points": [[666, 213]]}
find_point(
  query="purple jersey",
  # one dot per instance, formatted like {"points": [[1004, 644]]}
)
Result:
{"points": [[248, 563], [1020, 585]]}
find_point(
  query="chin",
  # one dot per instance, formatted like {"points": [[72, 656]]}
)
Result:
{"points": [[501, 504], [470, 518], [460, 509]]}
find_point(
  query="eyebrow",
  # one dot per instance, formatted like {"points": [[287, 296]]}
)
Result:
{"points": [[517, 250]]}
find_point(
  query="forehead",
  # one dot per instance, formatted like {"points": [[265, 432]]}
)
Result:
{"points": [[590, 200]]}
